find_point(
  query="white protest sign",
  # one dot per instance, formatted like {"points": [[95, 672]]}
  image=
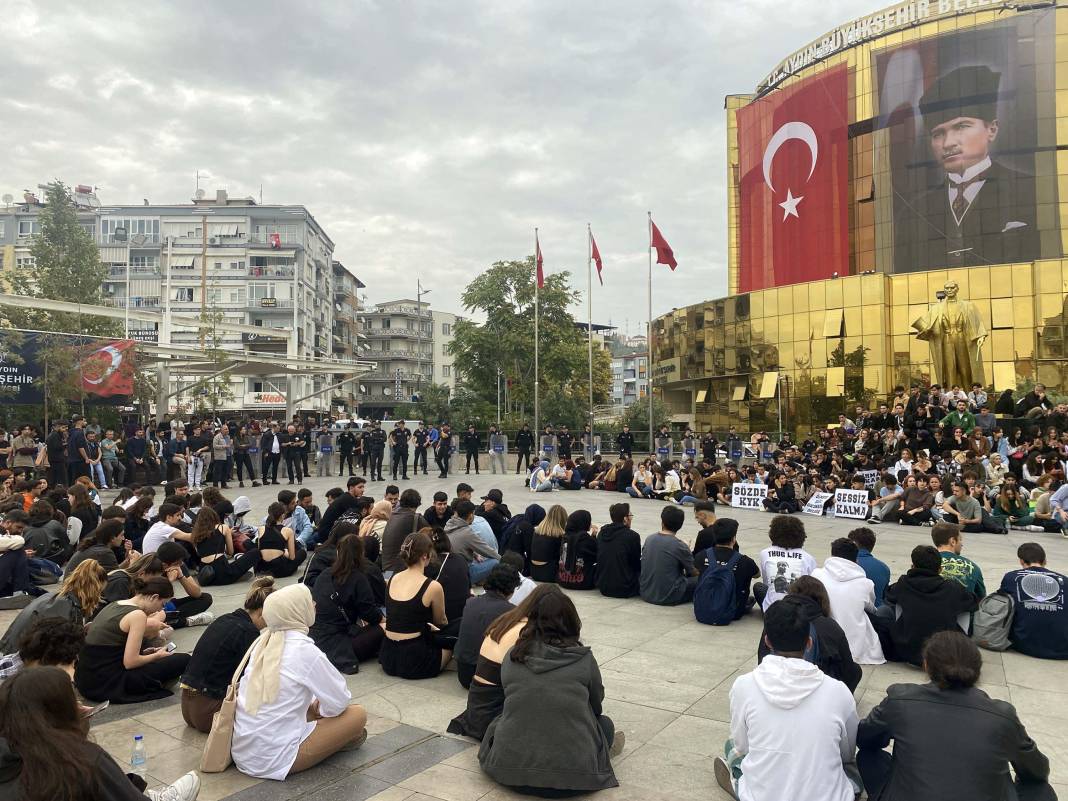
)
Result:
{"points": [[851, 503], [748, 496], [816, 502], [871, 477]]}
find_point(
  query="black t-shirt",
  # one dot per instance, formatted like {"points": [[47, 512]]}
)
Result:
{"points": [[342, 506], [453, 575], [745, 570], [706, 538]]}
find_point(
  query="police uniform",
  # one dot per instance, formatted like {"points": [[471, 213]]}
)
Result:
{"points": [[399, 453], [626, 444], [346, 445], [374, 443], [470, 445], [524, 441], [421, 440]]}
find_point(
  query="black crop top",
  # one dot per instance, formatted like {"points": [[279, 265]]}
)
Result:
{"points": [[214, 544], [488, 670], [272, 539], [408, 617]]}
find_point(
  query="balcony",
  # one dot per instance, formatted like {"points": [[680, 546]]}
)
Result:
{"points": [[136, 271], [269, 304], [272, 271], [393, 333], [135, 303]]}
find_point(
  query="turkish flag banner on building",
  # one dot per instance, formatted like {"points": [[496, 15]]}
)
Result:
{"points": [[107, 369], [793, 183], [276, 240]]}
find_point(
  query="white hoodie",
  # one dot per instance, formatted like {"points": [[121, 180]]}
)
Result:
{"points": [[795, 727], [851, 593]]}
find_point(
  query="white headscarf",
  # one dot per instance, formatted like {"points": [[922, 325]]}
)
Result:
{"points": [[288, 609]]}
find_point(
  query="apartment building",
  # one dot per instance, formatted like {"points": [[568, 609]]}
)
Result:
{"points": [[348, 308], [228, 258], [630, 372]]}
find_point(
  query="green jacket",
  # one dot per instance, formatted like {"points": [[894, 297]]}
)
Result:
{"points": [[965, 422]]}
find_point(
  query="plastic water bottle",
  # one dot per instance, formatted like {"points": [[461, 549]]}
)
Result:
{"points": [[139, 758]]}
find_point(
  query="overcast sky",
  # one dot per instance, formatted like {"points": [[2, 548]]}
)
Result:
{"points": [[427, 138]]}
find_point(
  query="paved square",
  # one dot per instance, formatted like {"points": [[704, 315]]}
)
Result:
{"points": [[666, 676]]}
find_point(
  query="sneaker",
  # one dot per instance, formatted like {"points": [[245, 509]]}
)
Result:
{"points": [[1035, 528], [874, 521], [723, 776], [186, 788], [618, 741], [928, 523], [203, 619]]}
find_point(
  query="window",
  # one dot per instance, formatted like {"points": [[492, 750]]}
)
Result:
{"points": [[148, 228], [237, 265], [446, 329], [88, 227], [218, 265], [25, 262], [446, 370], [385, 322], [257, 292], [28, 227], [237, 296], [214, 296], [183, 295], [144, 262]]}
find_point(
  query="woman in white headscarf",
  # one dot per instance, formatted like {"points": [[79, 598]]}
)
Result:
{"points": [[293, 706]]}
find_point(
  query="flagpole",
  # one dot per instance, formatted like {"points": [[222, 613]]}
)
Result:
{"points": [[649, 337], [589, 319], [537, 424]]}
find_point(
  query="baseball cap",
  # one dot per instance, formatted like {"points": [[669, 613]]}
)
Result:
{"points": [[494, 495]]}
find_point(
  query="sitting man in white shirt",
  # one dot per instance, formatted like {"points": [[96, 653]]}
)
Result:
{"points": [[852, 596], [793, 728], [164, 529]]}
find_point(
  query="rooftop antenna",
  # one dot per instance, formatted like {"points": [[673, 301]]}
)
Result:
{"points": [[261, 194]]}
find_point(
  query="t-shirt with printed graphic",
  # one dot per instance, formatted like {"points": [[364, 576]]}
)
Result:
{"points": [[1040, 620], [963, 570], [780, 566]]}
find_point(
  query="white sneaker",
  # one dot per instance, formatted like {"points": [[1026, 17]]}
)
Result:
{"points": [[186, 788], [203, 619]]}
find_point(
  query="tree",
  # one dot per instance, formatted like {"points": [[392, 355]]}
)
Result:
{"points": [[432, 407], [505, 342]]}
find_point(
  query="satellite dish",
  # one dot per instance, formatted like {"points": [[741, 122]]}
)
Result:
{"points": [[363, 388], [387, 391], [200, 194], [7, 199], [337, 306]]}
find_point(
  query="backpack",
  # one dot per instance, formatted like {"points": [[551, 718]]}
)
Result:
{"points": [[992, 622], [715, 598]]}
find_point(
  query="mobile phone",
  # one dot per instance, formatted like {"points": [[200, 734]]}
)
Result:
{"points": [[98, 708], [170, 647]]}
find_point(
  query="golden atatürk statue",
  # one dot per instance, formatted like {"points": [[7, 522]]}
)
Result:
{"points": [[956, 334]]}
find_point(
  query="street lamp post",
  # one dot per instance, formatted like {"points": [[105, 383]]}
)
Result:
{"points": [[419, 292]]}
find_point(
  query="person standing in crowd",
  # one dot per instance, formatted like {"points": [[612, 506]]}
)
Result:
{"points": [[925, 722], [420, 441], [625, 442], [398, 452], [291, 443], [374, 443], [56, 451], [524, 442], [471, 443], [77, 455], [619, 555], [552, 735], [346, 447], [217, 654], [293, 706], [668, 575], [792, 726], [197, 448], [270, 454], [221, 451], [1040, 618]]}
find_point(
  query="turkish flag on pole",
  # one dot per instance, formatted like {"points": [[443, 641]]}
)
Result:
{"points": [[108, 369], [664, 253], [595, 254], [793, 164], [538, 266]]}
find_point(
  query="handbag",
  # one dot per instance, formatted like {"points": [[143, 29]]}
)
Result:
{"points": [[216, 757]]}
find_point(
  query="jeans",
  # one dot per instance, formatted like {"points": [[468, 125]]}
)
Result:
{"points": [[646, 491], [688, 499], [96, 475], [480, 570], [111, 467], [195, 471], [545, 486]]}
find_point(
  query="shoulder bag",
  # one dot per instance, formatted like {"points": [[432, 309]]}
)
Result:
{"points": [[216, 757]]}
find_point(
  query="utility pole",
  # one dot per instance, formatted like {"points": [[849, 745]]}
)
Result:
{"points": [[204, 278], [419, 292]]}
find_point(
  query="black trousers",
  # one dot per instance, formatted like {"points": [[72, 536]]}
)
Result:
{"points": [[226, 571], [269, 465], [77, 470], [57, 474], [185, 608], [14, 572], [471, 456], [419, 458], [399, 462], [363, 458], [304, 462], [346, 458], [293, 461], [243, 460], [219, 473], [523, 460], [376, 464]]}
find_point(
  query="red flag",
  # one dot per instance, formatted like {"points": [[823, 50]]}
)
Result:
{"points": [[793, 166], [108, 370], [276, 240], [664, 253], [538, 262], [596, 254]]}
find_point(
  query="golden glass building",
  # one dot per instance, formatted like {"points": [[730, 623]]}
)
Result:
{"points": [[923, 145]]}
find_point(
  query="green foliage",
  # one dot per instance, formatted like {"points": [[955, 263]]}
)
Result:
{"points": [[504, 294], [211, 394], [432, 407]]}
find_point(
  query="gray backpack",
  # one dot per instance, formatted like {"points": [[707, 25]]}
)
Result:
{"points": [[992, 623]]}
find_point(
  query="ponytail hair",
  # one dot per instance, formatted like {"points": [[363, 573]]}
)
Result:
{"points": [[258, 592], [154, 585], [415, 547]]}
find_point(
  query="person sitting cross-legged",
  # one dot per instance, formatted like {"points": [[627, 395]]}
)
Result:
{"points": [[793, 728], [949, 722], [1040, 620], [852, 595]]}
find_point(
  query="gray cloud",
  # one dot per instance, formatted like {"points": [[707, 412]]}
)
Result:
{"points": [[428, 138]]}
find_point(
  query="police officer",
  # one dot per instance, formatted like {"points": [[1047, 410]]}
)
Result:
{"points": [[362, 454], [524, 441], [709, 448], [398, 458], [421, 438], [564, 441], [374, 442], [444, 450], [626, 443], [470, 444], [346, 446]]}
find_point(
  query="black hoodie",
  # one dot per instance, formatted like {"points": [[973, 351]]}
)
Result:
{"points": [[834, 657], [619, 561], [927, 603]]}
